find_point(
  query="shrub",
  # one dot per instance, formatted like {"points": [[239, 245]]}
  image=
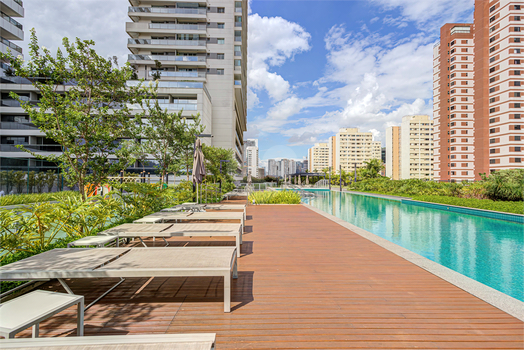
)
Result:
{"points": [[275, 197], [507, 185], [487, 204]]}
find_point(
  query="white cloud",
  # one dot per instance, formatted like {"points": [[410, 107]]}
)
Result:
{"points": [[272, 41], [429, 15], [100, 20]]}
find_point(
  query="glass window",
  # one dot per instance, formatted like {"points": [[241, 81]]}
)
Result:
{"points": [[221, 25], [221, 10], [221, 41], [238, 62]]}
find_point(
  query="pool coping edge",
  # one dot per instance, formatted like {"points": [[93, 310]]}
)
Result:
{"points": [[490, 295]]}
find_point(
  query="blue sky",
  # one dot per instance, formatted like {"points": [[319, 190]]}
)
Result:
{"points": [[339, 64], [313, 66]]}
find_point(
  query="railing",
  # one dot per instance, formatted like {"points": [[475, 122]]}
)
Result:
{"points": [[11, 45], [17, 126], [169, 106], [460, 30], [180, 74], [238, 82], [19, 2], [15, 103], [238, 24], [238, 38], [44, 148], [167, 42], [184, 11], [12, 21], [238, 53], [170, 84], [167, 58], [238, 9], [177, 26]]}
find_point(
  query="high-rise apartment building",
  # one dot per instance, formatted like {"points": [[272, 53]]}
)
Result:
{"points": [[199, 50], [319, 157], [16, 128], [251, 157], [393, 152], [416, 147], [272, 167], [352, 148], [477, 93]]}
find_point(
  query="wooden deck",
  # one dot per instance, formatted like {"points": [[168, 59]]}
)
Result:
{"points": [[304, 282]]}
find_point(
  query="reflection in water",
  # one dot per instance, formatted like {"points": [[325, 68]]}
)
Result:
{"points": [[488, 250]]}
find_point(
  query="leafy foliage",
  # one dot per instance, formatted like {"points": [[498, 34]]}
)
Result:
{"points": [[486, 204], [505, 185], [87, 119], [36, 197], [275, 197]]}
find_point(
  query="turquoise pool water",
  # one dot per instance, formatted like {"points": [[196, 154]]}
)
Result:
{"points": [[488, 250]]}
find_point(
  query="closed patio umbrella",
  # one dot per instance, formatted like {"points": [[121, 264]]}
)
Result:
{"points": [[300, 180], [307, 179], [199, 167]]}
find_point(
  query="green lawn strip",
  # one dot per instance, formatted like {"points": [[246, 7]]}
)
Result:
{"points": [[26, 198], [486, 204]]}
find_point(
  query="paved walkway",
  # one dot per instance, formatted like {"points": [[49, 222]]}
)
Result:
{"points": [[304, 282]]}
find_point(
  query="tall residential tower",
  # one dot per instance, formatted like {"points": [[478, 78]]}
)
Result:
{"points": [[477, 93], [199, 50]]}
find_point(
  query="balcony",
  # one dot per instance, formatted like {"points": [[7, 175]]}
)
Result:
{"points": [[177, 26], [158, 11], [17, 126], [169, 84], [134, 29], [166, 42], [35, 148], [460, 30], [175, 58], [15, 103], [238, 39], [11, 29], [238, 24], [170, 106], [9, 45], [238, 82], [13, 8], [181, 74]]}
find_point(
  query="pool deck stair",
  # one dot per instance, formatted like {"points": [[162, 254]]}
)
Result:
{"points": [[305, 282]]}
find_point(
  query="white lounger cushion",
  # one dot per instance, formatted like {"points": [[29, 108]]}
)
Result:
{"points": [[190, 341]]}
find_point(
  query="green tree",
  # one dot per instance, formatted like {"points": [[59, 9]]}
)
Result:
{"points": [[156, 73], [167, 137], [19, 181], [90, 117], [213, 156], [372, 169]]}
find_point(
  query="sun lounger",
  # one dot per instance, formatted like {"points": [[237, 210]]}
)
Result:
{"points": [[204, 207], [168, 216], [189, 341], [127, 262], [30, 309], [98, 241], [177, 230]]}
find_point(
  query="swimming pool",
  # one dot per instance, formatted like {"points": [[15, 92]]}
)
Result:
{"points": [[487, 250]]}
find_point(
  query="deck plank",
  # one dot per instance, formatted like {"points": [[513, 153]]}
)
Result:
{"points": [[304, 282]]}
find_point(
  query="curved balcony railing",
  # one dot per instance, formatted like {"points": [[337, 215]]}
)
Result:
{"points": [[181, 74], [177, 26], [167, 58], [167, 42], [182, 11]]}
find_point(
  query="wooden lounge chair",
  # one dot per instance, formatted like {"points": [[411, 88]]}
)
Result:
{"points": [[208, 216], [66, 263], [189, 341], [177, 230]]}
